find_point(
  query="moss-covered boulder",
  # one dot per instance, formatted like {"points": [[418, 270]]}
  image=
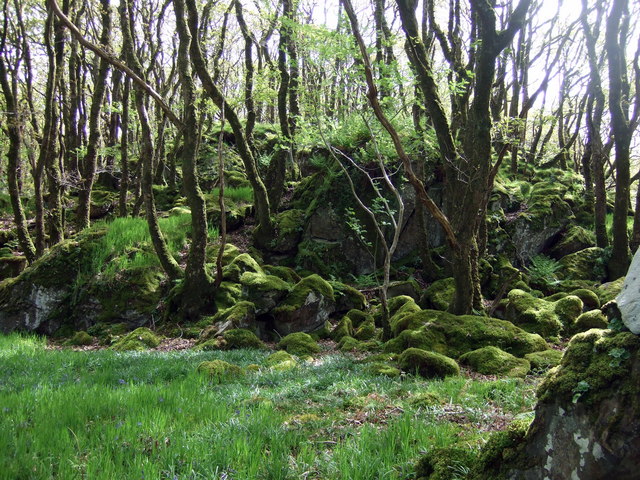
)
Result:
{"points": [[401, 310], [287, 274], [494, 361], [264, 291], [587, 420], [610, 290], [428, 364], [219, 370], [347, 298], [140, 339], [574, 239], [230, 340], [537, 315], [383, 369], [300, 344], [344, 328], [445, 463], [239, 265], [305, 308], [281, 361], [589, 320], [350, 344], [410, 288], [453, 335], [80, 338], [289, 226], [585, 264], [439, 295], [545, 360]]}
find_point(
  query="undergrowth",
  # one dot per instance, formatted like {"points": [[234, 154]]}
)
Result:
{"points": [[105, 415]]}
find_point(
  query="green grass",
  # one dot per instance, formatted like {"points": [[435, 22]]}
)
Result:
{"points": [[237, 194], [105, 415]]}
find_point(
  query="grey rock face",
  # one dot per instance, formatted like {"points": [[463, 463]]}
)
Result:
{"points": [[629, 299]]}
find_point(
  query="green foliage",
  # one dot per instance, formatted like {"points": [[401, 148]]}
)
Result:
{"points": [[237, 194], [542, 270], [300, 344]]}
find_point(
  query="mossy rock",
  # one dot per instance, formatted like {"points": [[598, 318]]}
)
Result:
{"points": [[220, 370], [347, 298], [410, 288], [537, 315], [287, 274], [366, 330], [453, 335], [576, 238], [264, 291], [445, 463], [306, 307], [428, 364], [140, 339], [610, 290], [239, 265], [401, 314], [439, 295], [589, 298], [584, 265], [322, 333], [281, 361], [589, 320], [289, 226], [494, 361], [545, 360], [503, 277], [240, 315], [344, 328], [227, 295], [350, 344], [501, 451], [300, 344], [383, 369], [241, 338], [80, 338], [595, 363], [426, 399]]}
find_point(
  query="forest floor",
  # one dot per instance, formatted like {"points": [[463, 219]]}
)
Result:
{"points": [[103, 414]]}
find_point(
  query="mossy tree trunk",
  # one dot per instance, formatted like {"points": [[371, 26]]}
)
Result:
{"points": [[617, 29], [197, 283], [89, 162], [468, 169], [265, 229], [10, 92], [124, 150]]}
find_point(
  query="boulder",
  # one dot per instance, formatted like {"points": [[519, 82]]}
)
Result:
{"points": [[427, 364], [439, 295], [629, 298], [305, 308], [299, 344], [453, 335], [494, 361], [587, 420]]}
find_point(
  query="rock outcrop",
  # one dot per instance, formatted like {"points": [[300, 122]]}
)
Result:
{"points": [[629, 298]]}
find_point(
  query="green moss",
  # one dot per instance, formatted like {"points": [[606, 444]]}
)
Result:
{"points": [[366, 330], [300, 344], [503, 449], [241, 314], [80, 338], [239, 265], [349, 344], [589, 320], [281, 361], [263, 282], [264, 291], [582, 265], [347, 297], [439, 295], [241, 338], [589, 298], [140, 339], [323, 332], [227, 295], [576, 238], [219, 370], [445, 463], [453, 335], [428, 364], [384, 369], [343, 329], [595, 363], [494, 361], [610, 290], [542, 361], [426, 399], [536, 315], [287, 274], [401, 311]]}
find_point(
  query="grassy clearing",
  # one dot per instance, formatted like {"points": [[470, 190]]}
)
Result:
{"points": [[237, 194], [105, 415]]}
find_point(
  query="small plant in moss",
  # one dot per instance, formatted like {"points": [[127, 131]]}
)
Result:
{"points": [[300, 344], [542, 271]]}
